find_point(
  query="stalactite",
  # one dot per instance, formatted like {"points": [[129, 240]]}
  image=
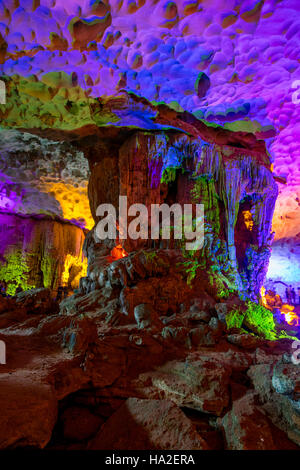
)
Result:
{"points": [[236, 176]]}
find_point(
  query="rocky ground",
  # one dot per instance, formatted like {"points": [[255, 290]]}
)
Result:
{"points": [[93, 374]]}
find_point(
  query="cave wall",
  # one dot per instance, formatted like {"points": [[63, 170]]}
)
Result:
{"points": [[151, 153], [40, 252], [233, 62], [153, 168], [39, 175], [284, 267], [44, 211]]}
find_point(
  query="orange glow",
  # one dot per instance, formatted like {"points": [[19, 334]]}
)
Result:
{"points": [[248, 220], [118, 252], [290, 315], [263, 298], [286, 219], [287, 310]]}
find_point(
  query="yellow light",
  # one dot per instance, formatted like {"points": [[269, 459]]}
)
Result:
{"points": [[73, 201], [79, 268], [291, 316], [248, 220]]}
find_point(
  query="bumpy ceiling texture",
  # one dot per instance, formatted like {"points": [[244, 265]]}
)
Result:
{"points": [[233, 62]]}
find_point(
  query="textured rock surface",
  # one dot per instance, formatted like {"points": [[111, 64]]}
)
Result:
{"points": [[42, 176], [201, 385], [43, 210], [246, 426], [148, 424], [29, 414], [278, 388], [79, 423], [82, 382], [156, 340], [37, 251], [284, 266], [209, 167]]}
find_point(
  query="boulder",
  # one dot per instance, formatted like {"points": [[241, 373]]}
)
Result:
{"points": [[29, 414], [6, 304], [199, 384], [221, 310], [79, 423], [147, 425], [37, 301], [198, 316], [202, 335], [246, 426], [244, 341], [143, 314], [278, 390], [286, 380]]}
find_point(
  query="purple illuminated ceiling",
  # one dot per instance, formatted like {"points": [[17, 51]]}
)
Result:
{"points": [[225, 60]]}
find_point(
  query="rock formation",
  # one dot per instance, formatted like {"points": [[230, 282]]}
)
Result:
{"points": [[248, 49], [158, 347], [44, 211], [92, 378], [189, 162], [37, 251], [170, 343], [177, 157]]}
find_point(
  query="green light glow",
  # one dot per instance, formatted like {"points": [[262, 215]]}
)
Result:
{"points": [[15, 272]]}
